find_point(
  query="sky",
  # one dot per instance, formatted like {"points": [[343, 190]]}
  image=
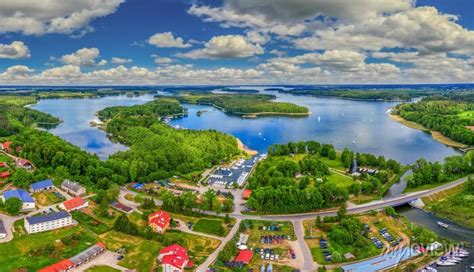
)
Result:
{"points": [[199, 42]]}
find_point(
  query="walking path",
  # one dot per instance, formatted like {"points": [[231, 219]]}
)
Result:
{"points": [[212, 258]]}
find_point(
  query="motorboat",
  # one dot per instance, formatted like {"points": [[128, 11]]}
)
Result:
{"points": [[443, 225], [445, 263]]}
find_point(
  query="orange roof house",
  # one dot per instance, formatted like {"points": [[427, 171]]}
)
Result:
{"points": [[5, 174], [159, 221], [73, 204], [246, 193], [6, 146]]}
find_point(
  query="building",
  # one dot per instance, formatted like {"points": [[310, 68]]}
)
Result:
{"points": [[5, 175], [6, 146], [3, 231], [24, 163], [246, 193], [73, 188], [174, 258], [73, 204], [44, 185], [121, 207], [77, 260], [54, 220], [26, 199], [159, 221]]}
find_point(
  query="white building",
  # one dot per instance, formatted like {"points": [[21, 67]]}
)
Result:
{"points": [[3, 232], [55, 220]]}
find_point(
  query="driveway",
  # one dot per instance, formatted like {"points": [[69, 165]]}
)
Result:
{"points": [[108, 258]]}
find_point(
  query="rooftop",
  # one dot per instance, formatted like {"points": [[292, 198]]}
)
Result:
{"points": [[382, 262], [176, 256], [48, 217], [73, 203], [244, 256], [75, 186], [41, 185], [20, 194]]}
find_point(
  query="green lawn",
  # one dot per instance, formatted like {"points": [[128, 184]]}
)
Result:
{"points": [[141, 253], [467, 115], [458, 207], [209, 226], [91, 223], [46, 198], [38, 250], [101, 268], [340, 180]]}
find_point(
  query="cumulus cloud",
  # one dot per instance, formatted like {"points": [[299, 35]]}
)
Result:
{"points": [[84, 57], [167, 39], [227, 46], [161, 60], [423, 28], [53, 16], [284, 17], [15, 50], [116, 60]]}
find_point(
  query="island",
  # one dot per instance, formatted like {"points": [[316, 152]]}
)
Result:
{"points": [[245, 105]]}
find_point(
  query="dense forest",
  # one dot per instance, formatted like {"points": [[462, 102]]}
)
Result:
{"points": [[426, 173], [243, 104], [158, 151], [448, 116], [282, 184], [371, 94]]}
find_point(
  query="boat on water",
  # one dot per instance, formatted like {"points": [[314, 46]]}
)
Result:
{"points": [[472, 267], [443, 225], [445, 263]]}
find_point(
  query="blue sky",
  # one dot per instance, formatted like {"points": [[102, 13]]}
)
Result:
{"points": [[235, 41]]}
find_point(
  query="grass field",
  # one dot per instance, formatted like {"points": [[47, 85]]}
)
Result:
{"points": [[340, 180], [467, 115], [141, 253], [38, 250], [91, 223], [17, 100], [210, 226], [46, 198], [458, 207], [101, 268]]}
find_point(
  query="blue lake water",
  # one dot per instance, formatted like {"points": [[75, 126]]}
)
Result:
{"points": [[77, 115], [359, 125]]}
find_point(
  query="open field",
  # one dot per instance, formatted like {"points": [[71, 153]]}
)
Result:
{"points": [[90, 222], [209, 226], [46, 198], [454, 204], [101, 268], [42, 249]]}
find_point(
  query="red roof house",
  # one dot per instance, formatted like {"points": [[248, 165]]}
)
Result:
{"points": [[174, 258], [5, 174], [73, 204], [246, 193], [159, 221], [58, 267], [3, 164], [244, 256], [6, 146]]}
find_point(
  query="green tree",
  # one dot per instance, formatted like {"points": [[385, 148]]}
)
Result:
{"points": [[13, 205]]}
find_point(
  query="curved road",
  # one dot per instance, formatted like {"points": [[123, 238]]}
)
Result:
{"points": [[297, 219]]}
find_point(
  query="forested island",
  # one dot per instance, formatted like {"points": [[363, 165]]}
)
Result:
{"points": [[247, 105], [452, 116], [370, 94]]}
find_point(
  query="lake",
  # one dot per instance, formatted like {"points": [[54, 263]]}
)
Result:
{"points": [[359, 125], [77, 115]]}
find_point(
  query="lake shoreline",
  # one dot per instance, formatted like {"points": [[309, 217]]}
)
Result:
{"points": [[244, 148], [436, 135]]}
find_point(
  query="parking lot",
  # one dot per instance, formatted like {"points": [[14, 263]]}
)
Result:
{"points": [[237, 173]]}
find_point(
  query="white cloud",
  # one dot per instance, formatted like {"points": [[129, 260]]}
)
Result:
{"points": [[167, 39], [116, 60], [227, 46], [84, 57], [15, 50], [53, 16], [161, 60], [423, 28]]}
